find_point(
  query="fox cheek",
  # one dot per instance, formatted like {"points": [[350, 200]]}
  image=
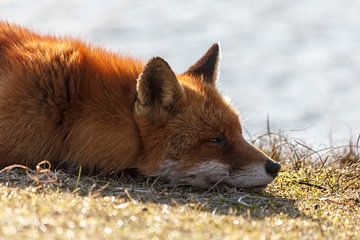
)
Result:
{"points": [[203, 174], [168, 169]]}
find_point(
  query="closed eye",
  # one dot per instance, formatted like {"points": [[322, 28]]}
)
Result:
{"points": [[216, 140]]}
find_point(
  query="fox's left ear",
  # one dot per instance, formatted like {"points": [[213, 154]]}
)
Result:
{"points": [[207, 66], [157, 88]]}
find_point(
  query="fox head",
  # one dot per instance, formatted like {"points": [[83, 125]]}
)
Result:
{"points": [[190, 134]]}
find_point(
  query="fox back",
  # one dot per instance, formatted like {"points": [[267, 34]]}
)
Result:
{"points": [[78, 105]]}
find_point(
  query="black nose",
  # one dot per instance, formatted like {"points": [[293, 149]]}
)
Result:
{"points": [[272, 168]]}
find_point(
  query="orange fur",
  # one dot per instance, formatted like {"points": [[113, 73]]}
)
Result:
{"points": [[74, 105]]}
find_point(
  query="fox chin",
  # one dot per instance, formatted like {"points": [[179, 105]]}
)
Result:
{"points": [[78, 105]]}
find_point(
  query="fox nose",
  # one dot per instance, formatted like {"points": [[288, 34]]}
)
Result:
{"points": [[272, 168]]}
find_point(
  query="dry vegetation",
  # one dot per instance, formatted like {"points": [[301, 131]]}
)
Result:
{"points": [[316, 196]]}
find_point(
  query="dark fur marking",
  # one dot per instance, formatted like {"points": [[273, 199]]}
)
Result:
{"points": [[67, 88], [43, 94], [50, 80]]}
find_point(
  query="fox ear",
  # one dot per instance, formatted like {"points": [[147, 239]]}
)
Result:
{"points": [[157, 85], [207, 66]]}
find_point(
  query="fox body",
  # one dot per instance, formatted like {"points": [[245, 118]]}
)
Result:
{"points": [[77, 105]]}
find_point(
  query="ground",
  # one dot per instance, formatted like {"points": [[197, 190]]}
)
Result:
{"points": [[316, 196]]}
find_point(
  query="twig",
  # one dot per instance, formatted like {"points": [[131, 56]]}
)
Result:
{"points": [[311, 185]]}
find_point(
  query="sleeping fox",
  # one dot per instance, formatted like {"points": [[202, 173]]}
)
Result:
{"points": [[78, 105]]}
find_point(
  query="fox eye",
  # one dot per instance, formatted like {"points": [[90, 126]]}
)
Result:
{"points": [[216, 140]]}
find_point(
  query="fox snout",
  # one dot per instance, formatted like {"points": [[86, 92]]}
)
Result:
{"points": [[260, 169], [272, 168], [252, 171]]}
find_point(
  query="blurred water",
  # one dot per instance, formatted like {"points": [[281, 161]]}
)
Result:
{"points": [[296, 61]]}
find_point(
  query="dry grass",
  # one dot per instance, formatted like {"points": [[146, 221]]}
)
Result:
{"points": [[316, 196]]}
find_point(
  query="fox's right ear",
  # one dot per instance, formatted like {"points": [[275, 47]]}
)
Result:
{"points": [[157, 87], [206, 67]]}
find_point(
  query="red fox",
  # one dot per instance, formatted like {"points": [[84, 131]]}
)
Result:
{"points": [[78, 105]]}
